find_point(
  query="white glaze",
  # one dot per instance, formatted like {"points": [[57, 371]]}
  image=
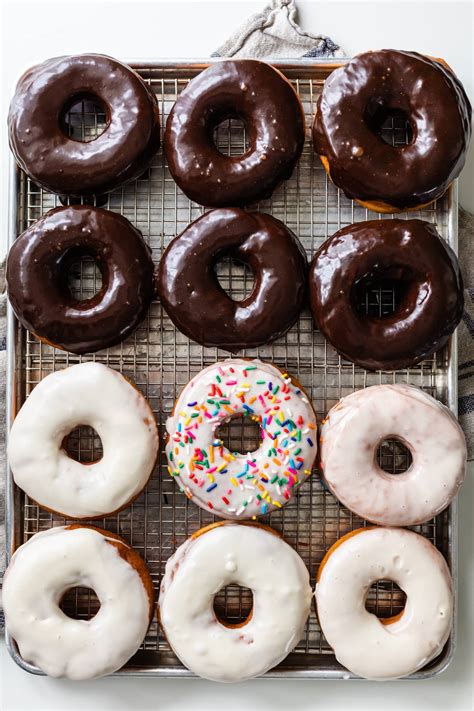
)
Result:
{"points": [[86, 394], [356, 426], [244, 485], [248, 556], [360, 641], [39, 574]]}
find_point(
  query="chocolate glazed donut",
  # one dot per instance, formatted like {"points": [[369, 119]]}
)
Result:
{"points": [[37, 268], [202, 310], [63, 165], [356, 99], [268, 105], [367, 255]]}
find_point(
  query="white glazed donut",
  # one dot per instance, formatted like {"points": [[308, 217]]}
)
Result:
{"points": [[241, 486], [54, 561], [350, 436], [250, 556], [361, 642], [86, 394]]}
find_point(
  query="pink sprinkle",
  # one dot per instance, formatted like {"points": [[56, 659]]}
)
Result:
{"points": [[211, 471], [270, 418], [231, 382], [208, 415], [221, 371]]}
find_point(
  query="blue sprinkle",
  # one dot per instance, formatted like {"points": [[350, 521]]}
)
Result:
{"points": [[264, 507], [191, 404], [224, 471], [179, 426], [248, 409], [309, 441], [212, 487], [300, 464], [270, 386]]}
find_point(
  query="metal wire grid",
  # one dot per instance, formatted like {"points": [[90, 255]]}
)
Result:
{"points": [[161, 361]]}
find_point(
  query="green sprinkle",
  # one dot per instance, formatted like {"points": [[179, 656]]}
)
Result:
{"points": [[274, 479]]}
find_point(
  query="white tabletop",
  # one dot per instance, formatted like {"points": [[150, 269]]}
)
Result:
{"points": [[35, 30]]}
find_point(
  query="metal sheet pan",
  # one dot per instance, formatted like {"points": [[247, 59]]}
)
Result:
{"points": [[161, 361]]}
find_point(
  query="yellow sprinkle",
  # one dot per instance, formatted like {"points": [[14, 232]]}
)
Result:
{"points": [[211, 454], [170, 471], [187, 422], [229, 457], [277, 504], [182, 414], [281, 416], [222, 466], [234, 481], [211, 478]]}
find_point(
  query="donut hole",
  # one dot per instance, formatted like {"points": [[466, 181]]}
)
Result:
{"points": [[230, 137], [235, 277], [83, 445], [80, 603], [392, 125], [84, 118], [393, 456], [240, 434], [382, 291], [385, 599], [233, 605], [82, 277]]}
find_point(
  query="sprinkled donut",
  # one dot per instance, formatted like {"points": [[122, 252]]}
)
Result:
{"points": [[44, 569], [248, 555], [400, 645], [85, 394], [351, 434], [233, 485]]}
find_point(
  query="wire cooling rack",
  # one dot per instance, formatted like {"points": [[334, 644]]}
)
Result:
{"points": [[161, 361]]}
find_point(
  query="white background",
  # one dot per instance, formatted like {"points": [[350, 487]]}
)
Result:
{"points": [[33, 31]]}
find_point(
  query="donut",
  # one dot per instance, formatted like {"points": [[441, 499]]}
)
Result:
{"points": [[248, 555], [85, 394], [198, 305], [261, 97], [236, 485], [378, 254], [398, 646], [50, 157], [37, 270], [356, 426], [355, 101], [52, 562]]}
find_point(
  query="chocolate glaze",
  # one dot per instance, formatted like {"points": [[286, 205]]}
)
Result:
{"points": [[273, 116], [69, 167], [360, 162], [412, 253], [36, 275], [202, 310]]}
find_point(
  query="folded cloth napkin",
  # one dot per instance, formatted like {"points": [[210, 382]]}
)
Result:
{"points": [[274, 32]]}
